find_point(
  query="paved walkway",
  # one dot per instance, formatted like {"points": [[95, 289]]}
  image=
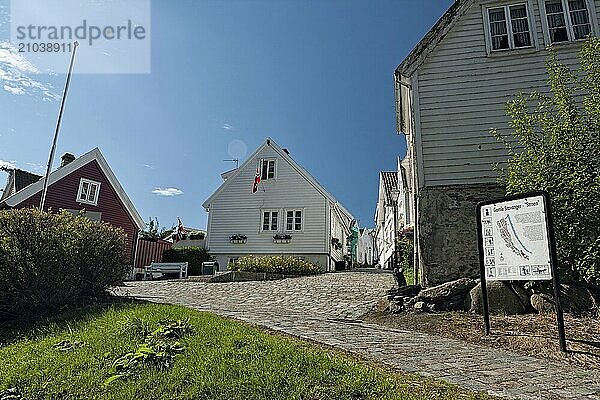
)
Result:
{"points": [[327, 309]]}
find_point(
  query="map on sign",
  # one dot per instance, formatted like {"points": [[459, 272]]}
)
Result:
{"points": [[515, 239]]}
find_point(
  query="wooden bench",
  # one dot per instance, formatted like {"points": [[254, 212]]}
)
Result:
{"points": [[166, 268]]}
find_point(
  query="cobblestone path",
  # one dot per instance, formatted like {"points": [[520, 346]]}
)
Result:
{"points": [[327, 309]]}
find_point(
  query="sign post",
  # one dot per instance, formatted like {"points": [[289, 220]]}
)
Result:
{"points": [[516, 242]]}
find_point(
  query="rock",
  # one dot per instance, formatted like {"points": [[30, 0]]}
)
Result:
{"points": [[410, 290], [399, 300], [395, 308], [542, 303], [577, 299], [419, 306], [449, 295], [503, 298]]}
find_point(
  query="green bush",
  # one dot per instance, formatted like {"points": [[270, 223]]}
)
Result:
{"points": [[275, 264], [52, 261], [194, 256], [406, 257], [554, 146]]}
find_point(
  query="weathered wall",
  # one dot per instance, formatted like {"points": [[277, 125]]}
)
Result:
{"points": [[448, 230]]}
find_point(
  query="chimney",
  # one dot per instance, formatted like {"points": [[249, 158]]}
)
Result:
{"points": [[66, 159]]}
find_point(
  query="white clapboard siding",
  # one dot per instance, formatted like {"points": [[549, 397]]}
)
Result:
{"points": [[462, 93], [234, 209]]}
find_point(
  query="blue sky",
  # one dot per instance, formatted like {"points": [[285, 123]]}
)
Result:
{"points": [[314, 76]]}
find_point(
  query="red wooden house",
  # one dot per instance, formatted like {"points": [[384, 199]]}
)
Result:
{"points": [[84, 183]]}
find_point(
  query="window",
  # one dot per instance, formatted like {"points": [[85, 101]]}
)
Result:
{"points": [[509, 27], [293, 220], [88, 192], [269, 221], [568, 20], [267, 169]]}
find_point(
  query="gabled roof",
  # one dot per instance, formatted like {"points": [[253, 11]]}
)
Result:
{"points": [[17, 180], [418, 55], [390, 183], [95, 154], [284, 155]]}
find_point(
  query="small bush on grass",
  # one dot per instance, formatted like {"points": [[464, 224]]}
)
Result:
{"points": [[194, 256], [275, 264], [50, 261]]}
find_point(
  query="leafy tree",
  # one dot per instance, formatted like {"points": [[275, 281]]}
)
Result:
{"points": [[555, 146], [153, 230]]}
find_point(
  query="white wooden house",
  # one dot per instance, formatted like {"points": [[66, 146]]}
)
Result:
{"points": [[451, 90], [289, 214], [366, 249], [385, 227]]}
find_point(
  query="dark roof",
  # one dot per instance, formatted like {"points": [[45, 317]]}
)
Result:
{"points": [[17, 180], [390, 182]]}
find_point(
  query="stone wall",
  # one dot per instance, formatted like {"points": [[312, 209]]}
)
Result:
{"points": [[448, 231]]}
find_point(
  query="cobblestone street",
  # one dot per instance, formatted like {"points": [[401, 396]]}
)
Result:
{"points": [[327, 309]]}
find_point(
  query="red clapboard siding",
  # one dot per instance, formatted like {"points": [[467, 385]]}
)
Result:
{"points": [[63, 195], [149, 251]]}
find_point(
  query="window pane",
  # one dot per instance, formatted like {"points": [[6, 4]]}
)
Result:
{"points": [[92, 196], [266, 221], [554, 6], [498, 28], [290, 220], [298, 220], [263, 171], [500, 42], [271, 173], [496, 14], [580, 19], [581, 31], [558, 35], [274, 221], [84, 191], [518, 12]]}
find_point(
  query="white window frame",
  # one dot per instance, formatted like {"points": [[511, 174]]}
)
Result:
{"points": [[260, 168], [262, 216], [294, 210], [567, 15], [511, 39], [87, 200]]}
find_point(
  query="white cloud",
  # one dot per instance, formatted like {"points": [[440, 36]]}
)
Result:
{"points": [[7, 164], [227, 127], [35, 167], [169, 192], [14, 74], [148, 166]]}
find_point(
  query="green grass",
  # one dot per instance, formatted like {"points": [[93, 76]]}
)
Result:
{"points": [[223, 359]]}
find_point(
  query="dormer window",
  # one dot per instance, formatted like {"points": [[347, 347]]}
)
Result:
{"points": [[267, 169], [567, 20], [508, 27], [88, 192]]}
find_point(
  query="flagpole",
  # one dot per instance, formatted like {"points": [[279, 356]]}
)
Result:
{"points": [[58, 121]]}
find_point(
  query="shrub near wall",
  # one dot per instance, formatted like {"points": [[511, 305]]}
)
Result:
{"points": [[194, 256], [52, 261], [276, 265]]}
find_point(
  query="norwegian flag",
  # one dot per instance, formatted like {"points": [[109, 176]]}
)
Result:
{"points": [[256, 181], [179, 231]]}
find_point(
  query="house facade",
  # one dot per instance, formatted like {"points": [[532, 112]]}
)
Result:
{"points": [[80, 184], [366, 246], [290, 213], [386, 228], [451, 90]]}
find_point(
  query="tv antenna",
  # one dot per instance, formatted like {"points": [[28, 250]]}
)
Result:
{"points": [[236, 161]]}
